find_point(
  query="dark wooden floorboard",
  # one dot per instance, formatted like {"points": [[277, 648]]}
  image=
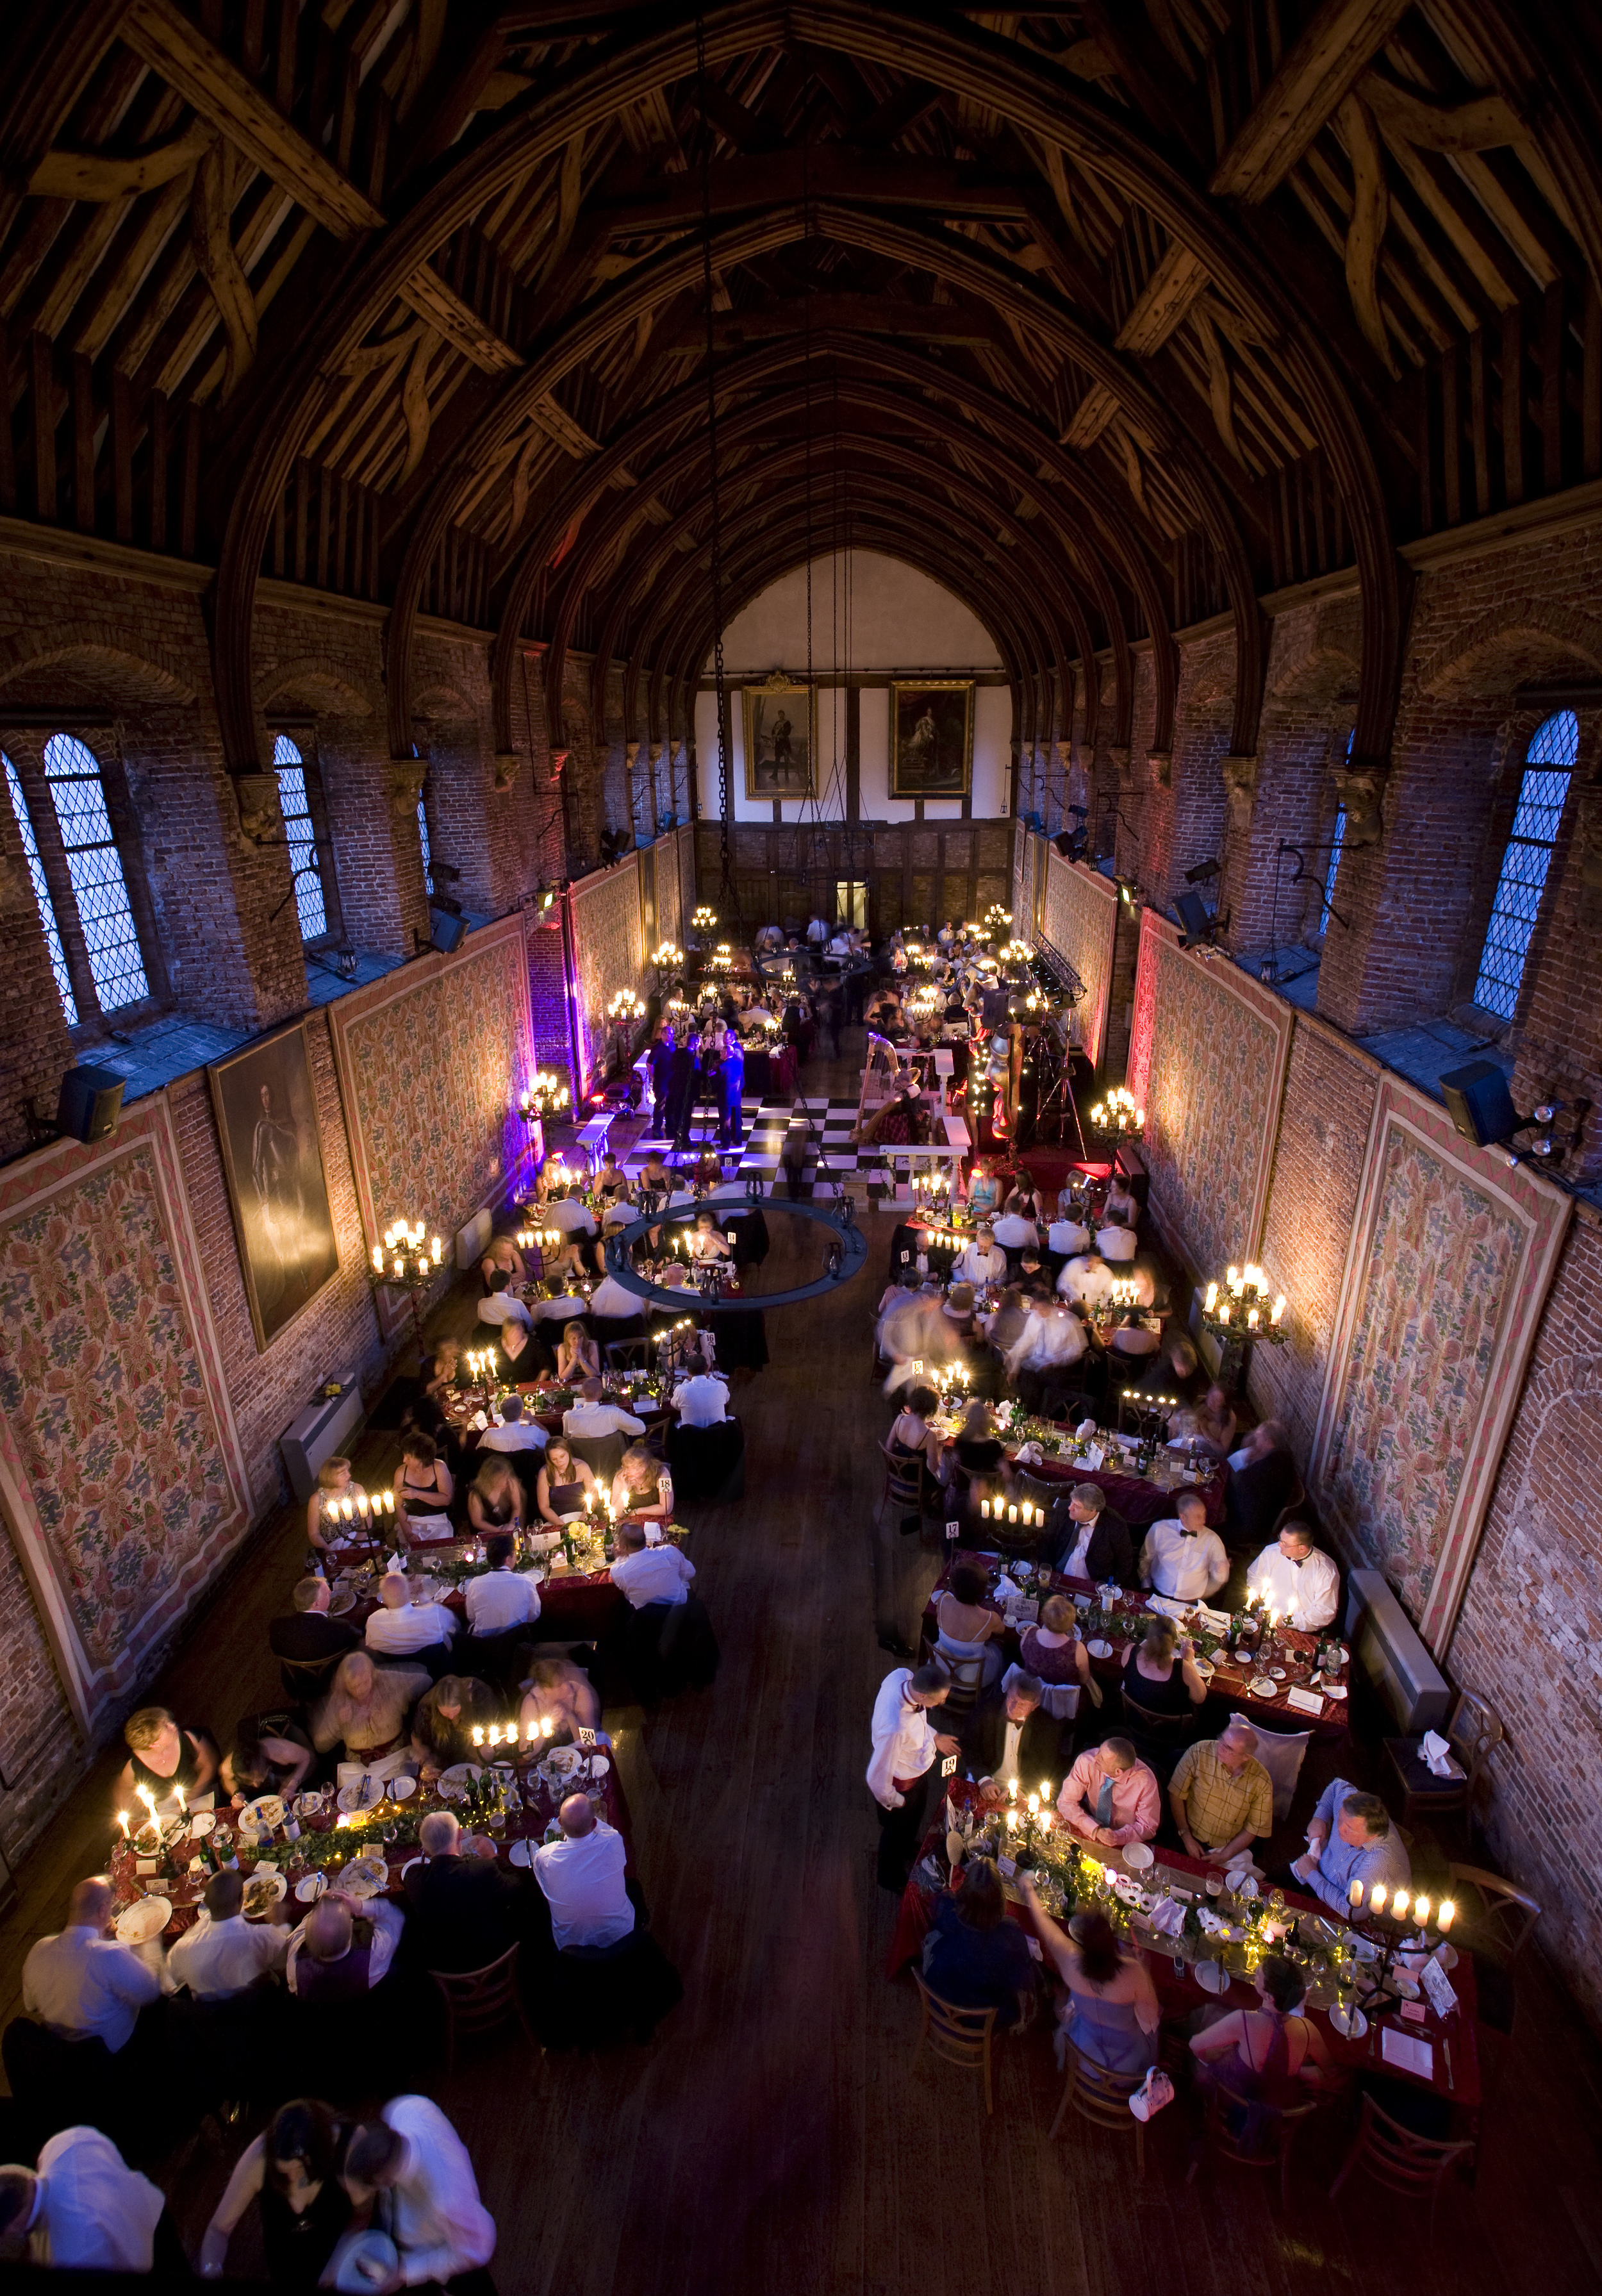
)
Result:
{"points": [[779, 2137]]}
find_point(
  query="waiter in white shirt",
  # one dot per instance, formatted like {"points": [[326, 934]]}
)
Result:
{"points": [[83, 1983], [1183, 1559], [1087, 1279], [702, 1400], [582, 1876], [1295, 1580], [83, 2209], [416, 2169], [224, 1954], [905, 1743]]}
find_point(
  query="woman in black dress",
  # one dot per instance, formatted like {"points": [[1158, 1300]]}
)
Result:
{"points": [[291, 2170], [1159, 1674], [271, 1754], [564, 1481], [164, 1754]]}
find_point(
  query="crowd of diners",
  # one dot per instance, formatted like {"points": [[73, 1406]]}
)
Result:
{"points": [[1020, 1314]]}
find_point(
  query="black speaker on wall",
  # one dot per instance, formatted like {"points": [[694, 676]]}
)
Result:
{"points": [[446, 932], [90, 1105], [1479, 1103]]}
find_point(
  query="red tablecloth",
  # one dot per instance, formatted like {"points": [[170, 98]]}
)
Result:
{"points": [[1179, 1994], [1228, 1683], [1140, 1503]]}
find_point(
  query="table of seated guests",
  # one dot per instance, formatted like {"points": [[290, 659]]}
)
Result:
{"points": [[1285, 1688], [1052, 1451], [360, 1835], [1404, 2040]]}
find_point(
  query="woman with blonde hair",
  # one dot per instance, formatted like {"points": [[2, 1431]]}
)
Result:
{"points": [[577, 1357], [323, 1532], [642, 1487], [494, 1496], [1152, 1679], [1054, 1650], [365, 1712]]}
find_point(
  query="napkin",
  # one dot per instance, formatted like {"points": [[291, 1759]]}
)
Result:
{"points": [[1306, 1702], [1168, 1605], [1443, 1995], [1167, 1918], [1006, 1590], [1027, 1455], [1216, 1622], [1085, 1430], [1438, 1754], [1094, 1456]]}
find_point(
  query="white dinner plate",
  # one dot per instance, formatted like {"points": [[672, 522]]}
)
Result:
{"points": [[599, 1764], [1351, 2022], [308, 1804], [262, 1891], [362, 1793], [1100, 1649], [402, 1789], [310, 1888], [1277, 1673], [366, 1875], [202, 1823], [521, 1853], [342, 1599], [267, 1809], [1212, 1976], [144, 1919], [1262, 1686], [455, 1781], [1137, 1855]]}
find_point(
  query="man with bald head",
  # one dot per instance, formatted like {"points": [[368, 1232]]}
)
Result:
{"points": [[224, 1954], [462, 1911], [83, 1984], [343, 1947], [582, 1877]]}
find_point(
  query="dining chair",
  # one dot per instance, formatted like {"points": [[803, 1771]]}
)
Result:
{"points": [[962, 2036], [480, 2001], [627, 1355], [1402, 2162], [903, 1483], [1495, 1936], [1275, 2129], [1102, 2098], [968, 1679], [1474, 1731]]}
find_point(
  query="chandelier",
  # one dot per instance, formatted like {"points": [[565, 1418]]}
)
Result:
{"points": [[1239, 1309], [1118, 1116], [544, 1095]]}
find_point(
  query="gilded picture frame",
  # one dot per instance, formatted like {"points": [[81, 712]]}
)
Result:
{"points": [[932, 737], [780, 721], [265, 1105]]}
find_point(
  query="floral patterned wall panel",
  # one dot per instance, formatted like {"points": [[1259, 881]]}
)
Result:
{"points": [[1212, 1049], [431, 1061], [1451, 1261], [608, 952], [122, 1474], [670, 924], [1080, 918], [685, 834]]}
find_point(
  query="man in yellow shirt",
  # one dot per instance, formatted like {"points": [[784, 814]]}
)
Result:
{"points": [[1221, 1795]]}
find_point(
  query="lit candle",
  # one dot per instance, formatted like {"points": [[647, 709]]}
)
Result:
{"points": [[399, 1269], [1377, 1898], [182, 1805], [478, 1735], [1355, 1893], [122, 1820], [1012, 1789], [1421, 1910], [1045, 1790], [1012, 1821], [1446, 1912], [434, 1249], [495, 1733], [1278, 1309], [377, 1258], [1399, 1906], [984, 1509], [1035, 1805], [1251, 1320], [547, 1727], [1012, 1514]]}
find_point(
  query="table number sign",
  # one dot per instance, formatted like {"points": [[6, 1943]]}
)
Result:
{"points": [[948, 1766], [954, 1532], [587, 1737]]}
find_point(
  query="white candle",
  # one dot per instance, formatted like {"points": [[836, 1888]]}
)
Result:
{"points": [[122, 1820], [1446, 1912]]}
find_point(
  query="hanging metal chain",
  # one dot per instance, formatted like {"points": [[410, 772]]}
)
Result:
{"points": [[727, 896]]}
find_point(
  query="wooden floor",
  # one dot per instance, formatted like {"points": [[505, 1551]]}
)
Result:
{"points": [[777, 2138]]}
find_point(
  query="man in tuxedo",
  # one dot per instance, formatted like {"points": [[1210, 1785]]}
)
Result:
{"points": [[1092, 1540], [463, 1911], [1011, 1739]]}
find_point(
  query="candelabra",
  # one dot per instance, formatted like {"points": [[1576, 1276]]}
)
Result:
{"points": [[996, 919], [545, 1095], [405, 1262], [1239, 1309], [704, 921], [668, 959], [1118, 1116]]}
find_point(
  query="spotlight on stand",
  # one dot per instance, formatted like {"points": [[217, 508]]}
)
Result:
{"points": [[1482, 1109], [1199, 928]]}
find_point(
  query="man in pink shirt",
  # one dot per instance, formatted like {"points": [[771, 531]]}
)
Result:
{"points": [[1110, 1796]]}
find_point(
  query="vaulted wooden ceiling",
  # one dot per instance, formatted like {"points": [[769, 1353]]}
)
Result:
{"points": [[1112, 316]]}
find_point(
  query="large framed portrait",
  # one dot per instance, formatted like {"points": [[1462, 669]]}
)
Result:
{"points": [[266, 1120], [932, 737], [781, 738]]}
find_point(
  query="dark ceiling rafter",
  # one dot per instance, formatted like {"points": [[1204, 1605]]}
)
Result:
{"points": [[1023, 88]]}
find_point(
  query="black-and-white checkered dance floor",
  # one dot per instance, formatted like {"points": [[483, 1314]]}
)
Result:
{"points": [[831, 1156]]}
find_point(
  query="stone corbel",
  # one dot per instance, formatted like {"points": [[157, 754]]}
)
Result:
{"points": [[1118, 751], [256, 795], [506, 764], [1240, 791], [1361, 788], [405, 787], [1161, 765], [559, 758], [656, 755], [631, 756], [16, 886], [1065, 756]]}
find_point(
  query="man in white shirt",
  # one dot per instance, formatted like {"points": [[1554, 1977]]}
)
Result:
{"points": [[224, 1954], [981, 1262], [416, 2169], [83, 1983], [400, 1627], [1087, 1279], [563, 1308], [1117, 1242], [649, 1575], [326, 1962], [503, 1307], [515, 1434], [1183, 1559], [572, 1217], [701, 1401], [591, 1417], [502, 1598], [611, 1298], [1068, 1239], [905, 1744], [1295, 1580], [817, 933], [83, 2209], [1051, 1341], [1012, 1231], [582, 1876]]}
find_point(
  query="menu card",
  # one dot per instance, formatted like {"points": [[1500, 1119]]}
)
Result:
{"points": [[1407, 2051]]}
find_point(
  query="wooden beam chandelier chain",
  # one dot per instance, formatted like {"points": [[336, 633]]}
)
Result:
{"points": [[726, 890]]}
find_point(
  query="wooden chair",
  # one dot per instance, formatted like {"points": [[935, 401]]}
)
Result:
{"points": [[1102, 2098], [1473, 1731], [1400, 2161], [903, 1483], [1159, 1738], [1294, 1510], [627, 1355], [479, 2000], [1495, 1937], [960, 2036], [1277, 2127], [968, 1679]]}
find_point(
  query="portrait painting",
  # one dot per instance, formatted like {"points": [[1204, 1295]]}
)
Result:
{"points": [[781, 739], [266, 1121], [932, 737]]}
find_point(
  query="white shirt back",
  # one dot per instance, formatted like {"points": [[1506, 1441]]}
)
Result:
{"points": [[515, 1435], [81, 1982], [657, 1574], [499, 1600], [701, 1401], [582, 1880], [94, 2212], [420, 1626], [217, 1958]]}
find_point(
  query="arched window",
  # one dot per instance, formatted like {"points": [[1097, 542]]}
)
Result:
{"points": [[1549, 763], [41, 893], [294, 802], [94, 866]]}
